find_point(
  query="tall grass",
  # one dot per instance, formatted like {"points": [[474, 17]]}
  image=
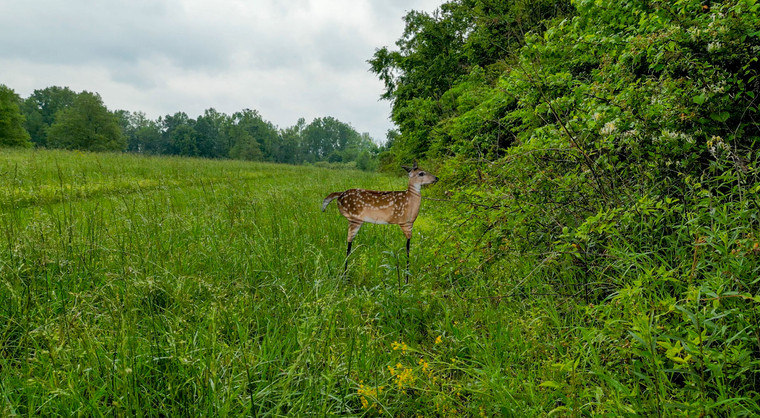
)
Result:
{"points": [[181, 287], [159, 286]]}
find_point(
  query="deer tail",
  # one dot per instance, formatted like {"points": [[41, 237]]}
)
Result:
{"points": [[329, 199]]}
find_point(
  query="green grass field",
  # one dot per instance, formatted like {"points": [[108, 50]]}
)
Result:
{"points": [[180, 287], [160, 286]]}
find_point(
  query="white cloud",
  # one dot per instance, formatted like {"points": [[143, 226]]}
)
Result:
{"points": [[300, 58]]}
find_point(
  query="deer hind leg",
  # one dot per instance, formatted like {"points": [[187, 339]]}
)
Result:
{"points": [[353, 229], [407, 229]]}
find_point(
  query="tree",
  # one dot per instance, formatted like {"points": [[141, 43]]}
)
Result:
{"points": [[142, 133], [291, 149], [428, 62], [210, 128], [366, 162], [246, 147], [179, 137], [183, 141], [327, 138], [60, 118], [87, 125], [12, 132], [252, 137], [439, 50], [40, 109], [147, 137]]}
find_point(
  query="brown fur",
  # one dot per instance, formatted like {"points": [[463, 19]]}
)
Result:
{"points": [[392, 207]]}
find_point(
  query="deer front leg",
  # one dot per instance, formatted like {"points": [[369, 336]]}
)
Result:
{"points": [[408, 240], [353, 229], [407, 228]]}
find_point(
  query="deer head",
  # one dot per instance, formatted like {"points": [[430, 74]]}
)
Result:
{"points": [[417, 177]]}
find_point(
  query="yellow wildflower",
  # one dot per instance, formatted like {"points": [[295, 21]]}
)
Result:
{"points": [[439, 339], [371, 393], [399, 346], [404, 375], [425, 365]]}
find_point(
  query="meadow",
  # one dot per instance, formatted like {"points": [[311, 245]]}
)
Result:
{"points": [[157, 286], [170, 286]]}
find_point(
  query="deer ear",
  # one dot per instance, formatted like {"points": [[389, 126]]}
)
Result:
{"points": [[415, 165], [408, 169]]}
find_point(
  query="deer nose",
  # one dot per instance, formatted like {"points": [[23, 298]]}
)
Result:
{"points": [[435, 180]]}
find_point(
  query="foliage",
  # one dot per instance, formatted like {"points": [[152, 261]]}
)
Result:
{"points": [[594, 249], [41, 108], [328, 138], [86, 125], [438, 49], [142, 133], [174, 286], [613, 150], [243, 135], [252, 136], [211, 140], [12, 131]]}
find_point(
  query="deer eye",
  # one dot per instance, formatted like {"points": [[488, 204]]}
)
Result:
{"points": [[422, 174]]}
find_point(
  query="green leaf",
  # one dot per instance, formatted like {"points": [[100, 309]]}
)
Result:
{"points": [[550, 384], [720, 117], [699, 99], [557, 410]]}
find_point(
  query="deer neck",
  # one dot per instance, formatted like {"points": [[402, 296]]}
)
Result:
{"points": [[413, 201]]}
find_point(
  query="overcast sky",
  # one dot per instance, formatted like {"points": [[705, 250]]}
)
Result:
{"points": [[285, 58]]}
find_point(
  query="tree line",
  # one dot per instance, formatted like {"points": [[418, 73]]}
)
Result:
{"points": [[58, 117]]}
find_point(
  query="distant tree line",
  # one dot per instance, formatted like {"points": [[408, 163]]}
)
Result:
{"points": [[57, 117]]}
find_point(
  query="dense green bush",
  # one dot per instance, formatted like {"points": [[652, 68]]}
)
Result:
{"points": [[615, 154], [598, 126]]}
